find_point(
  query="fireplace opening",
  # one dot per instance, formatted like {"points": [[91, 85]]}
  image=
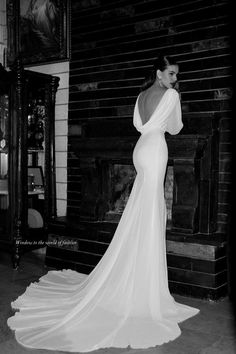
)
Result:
{"points": [[121, 179]]}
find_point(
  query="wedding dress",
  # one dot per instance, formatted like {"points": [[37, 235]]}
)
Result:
{"points": [[125, 300]]}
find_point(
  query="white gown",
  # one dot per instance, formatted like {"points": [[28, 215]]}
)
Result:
{"points": [[125, 300]]}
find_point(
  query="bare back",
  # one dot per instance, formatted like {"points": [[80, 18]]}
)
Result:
{"points": [[148, 101]]}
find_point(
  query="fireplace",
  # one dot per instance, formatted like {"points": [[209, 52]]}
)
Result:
{"points": [[119, 184], [107, 179], [102, 163]]}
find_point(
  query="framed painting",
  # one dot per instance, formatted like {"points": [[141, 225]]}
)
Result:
{"points": [[38, 31]]}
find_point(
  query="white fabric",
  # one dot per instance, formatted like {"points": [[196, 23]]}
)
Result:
{"points": [[125, 300]]}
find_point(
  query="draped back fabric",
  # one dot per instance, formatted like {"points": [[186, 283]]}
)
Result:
{"points": [[125, 300], [166, 117]]}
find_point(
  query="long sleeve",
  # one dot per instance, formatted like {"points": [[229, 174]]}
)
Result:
{"points": [[174, 122]]}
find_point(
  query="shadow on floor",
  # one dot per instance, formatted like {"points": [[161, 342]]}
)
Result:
{"points": [[212, 331]]}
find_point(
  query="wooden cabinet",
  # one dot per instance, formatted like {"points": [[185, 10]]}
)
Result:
{"points": [[27, 158]]}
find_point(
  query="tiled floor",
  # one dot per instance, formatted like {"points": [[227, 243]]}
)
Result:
{"points": [[212, 331]]}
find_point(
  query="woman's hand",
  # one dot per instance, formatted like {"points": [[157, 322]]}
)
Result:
{"points": [[176, 86]]}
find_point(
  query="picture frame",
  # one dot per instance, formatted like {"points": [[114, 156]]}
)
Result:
{"points": [[37, 172], [38, 31]]}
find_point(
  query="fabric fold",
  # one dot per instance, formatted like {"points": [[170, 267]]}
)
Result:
{"points": [[125, 301]]}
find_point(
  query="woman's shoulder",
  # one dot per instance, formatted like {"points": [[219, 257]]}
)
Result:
{"points": [[172, 95], [173, 92]]}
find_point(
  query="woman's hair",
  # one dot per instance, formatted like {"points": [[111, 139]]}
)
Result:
{"points": [[160, 63]]}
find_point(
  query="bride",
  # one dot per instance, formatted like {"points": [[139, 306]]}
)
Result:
{"points": [[125, 300]]}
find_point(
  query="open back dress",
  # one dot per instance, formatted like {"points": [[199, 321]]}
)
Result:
{"points": [[125, 300]]}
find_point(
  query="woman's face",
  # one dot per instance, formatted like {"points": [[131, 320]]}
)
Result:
{"points": [[168, 77]]}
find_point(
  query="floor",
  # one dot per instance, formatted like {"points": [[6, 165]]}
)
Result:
{"points": [[212, 331]]}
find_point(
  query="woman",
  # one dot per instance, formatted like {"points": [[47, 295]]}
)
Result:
{"points": [[125, 301]]}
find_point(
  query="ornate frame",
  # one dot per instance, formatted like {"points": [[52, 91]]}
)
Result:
{"points": [[37, 40]]}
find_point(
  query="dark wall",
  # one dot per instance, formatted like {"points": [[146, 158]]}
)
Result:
{"points": [[113, 44]]}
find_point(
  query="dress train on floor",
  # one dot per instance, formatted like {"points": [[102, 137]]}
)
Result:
{"points": [[125, 300]]}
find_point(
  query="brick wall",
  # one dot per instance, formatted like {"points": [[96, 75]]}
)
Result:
{"points": [[113, 46]]}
